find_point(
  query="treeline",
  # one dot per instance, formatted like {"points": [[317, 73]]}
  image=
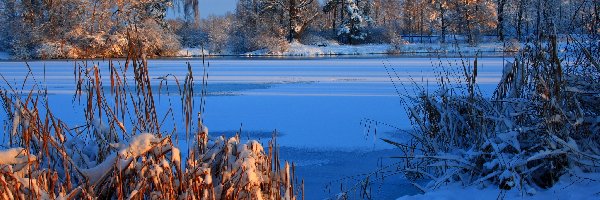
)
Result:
{"points": [[87, 28], [273, 24]]}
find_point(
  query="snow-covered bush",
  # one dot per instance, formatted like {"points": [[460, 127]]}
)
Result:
{"points": [[44, 30], [313, 38], [21, 50], [218, 30], [540, 124], [272, 43], [190, 34], [387, 34], [50, 50], [512, 45]]}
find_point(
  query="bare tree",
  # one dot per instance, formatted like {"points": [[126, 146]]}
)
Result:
{"points": [[299, 15]]}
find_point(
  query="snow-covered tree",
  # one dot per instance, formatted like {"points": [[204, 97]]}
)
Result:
{"points": [[85, 28], [442, 9], [417, 17], [218, 29], [474, 17], [387, 22], [386, 12], [355, 19], [257, 25], [299, 14], [501, 4]]}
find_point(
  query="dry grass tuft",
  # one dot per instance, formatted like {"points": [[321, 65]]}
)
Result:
{"points": [[130, 156]]}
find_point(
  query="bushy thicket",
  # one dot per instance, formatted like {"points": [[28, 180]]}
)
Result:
{"points": [[541, 123], [84, 28]]}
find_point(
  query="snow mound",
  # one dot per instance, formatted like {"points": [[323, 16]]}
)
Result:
{"points": [[571, 186], [298, 49]]}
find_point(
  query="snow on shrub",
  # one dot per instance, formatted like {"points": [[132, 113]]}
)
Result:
{"points": [[46, 159], [49, 50], [513, 45], [272, 44], [541, 123]]}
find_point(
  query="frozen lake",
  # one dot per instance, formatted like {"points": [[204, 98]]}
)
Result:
{"points": [[316, 105]]}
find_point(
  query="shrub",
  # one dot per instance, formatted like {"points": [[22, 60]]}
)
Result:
{"points": [[273, 44], [313, 38], [539, 125], [56, 50], [513, 45], [106, 161]]}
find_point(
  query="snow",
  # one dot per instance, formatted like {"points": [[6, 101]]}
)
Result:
{"points": [[297, 49], [316, 106], [176, 156], [96, 173], [571, 186], [302, 99], [191, 52], [15, 156], [332, 48], [5, 55], [328, 48], [139, 145]]}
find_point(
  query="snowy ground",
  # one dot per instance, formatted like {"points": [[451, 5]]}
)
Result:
{"points": [[316, 106], [188, 52], [332, 48], [4, 55], [571, 186], [297, 49]]}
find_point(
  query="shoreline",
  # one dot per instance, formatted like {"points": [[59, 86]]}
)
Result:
{"points": [[493, 54]]}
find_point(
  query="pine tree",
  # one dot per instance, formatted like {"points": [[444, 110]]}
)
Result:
{"points": [[355, 19]]}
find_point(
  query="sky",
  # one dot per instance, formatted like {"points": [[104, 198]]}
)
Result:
{"points": [[213, 7], [210, 7], [216, 7]]}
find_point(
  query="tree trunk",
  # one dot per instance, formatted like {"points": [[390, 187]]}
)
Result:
{"points": [[292, 24], [333, 27], [538, 22], [520, 20], [500, 13], [467, 23], [443, 21], [597, 18], [421, 24]]}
